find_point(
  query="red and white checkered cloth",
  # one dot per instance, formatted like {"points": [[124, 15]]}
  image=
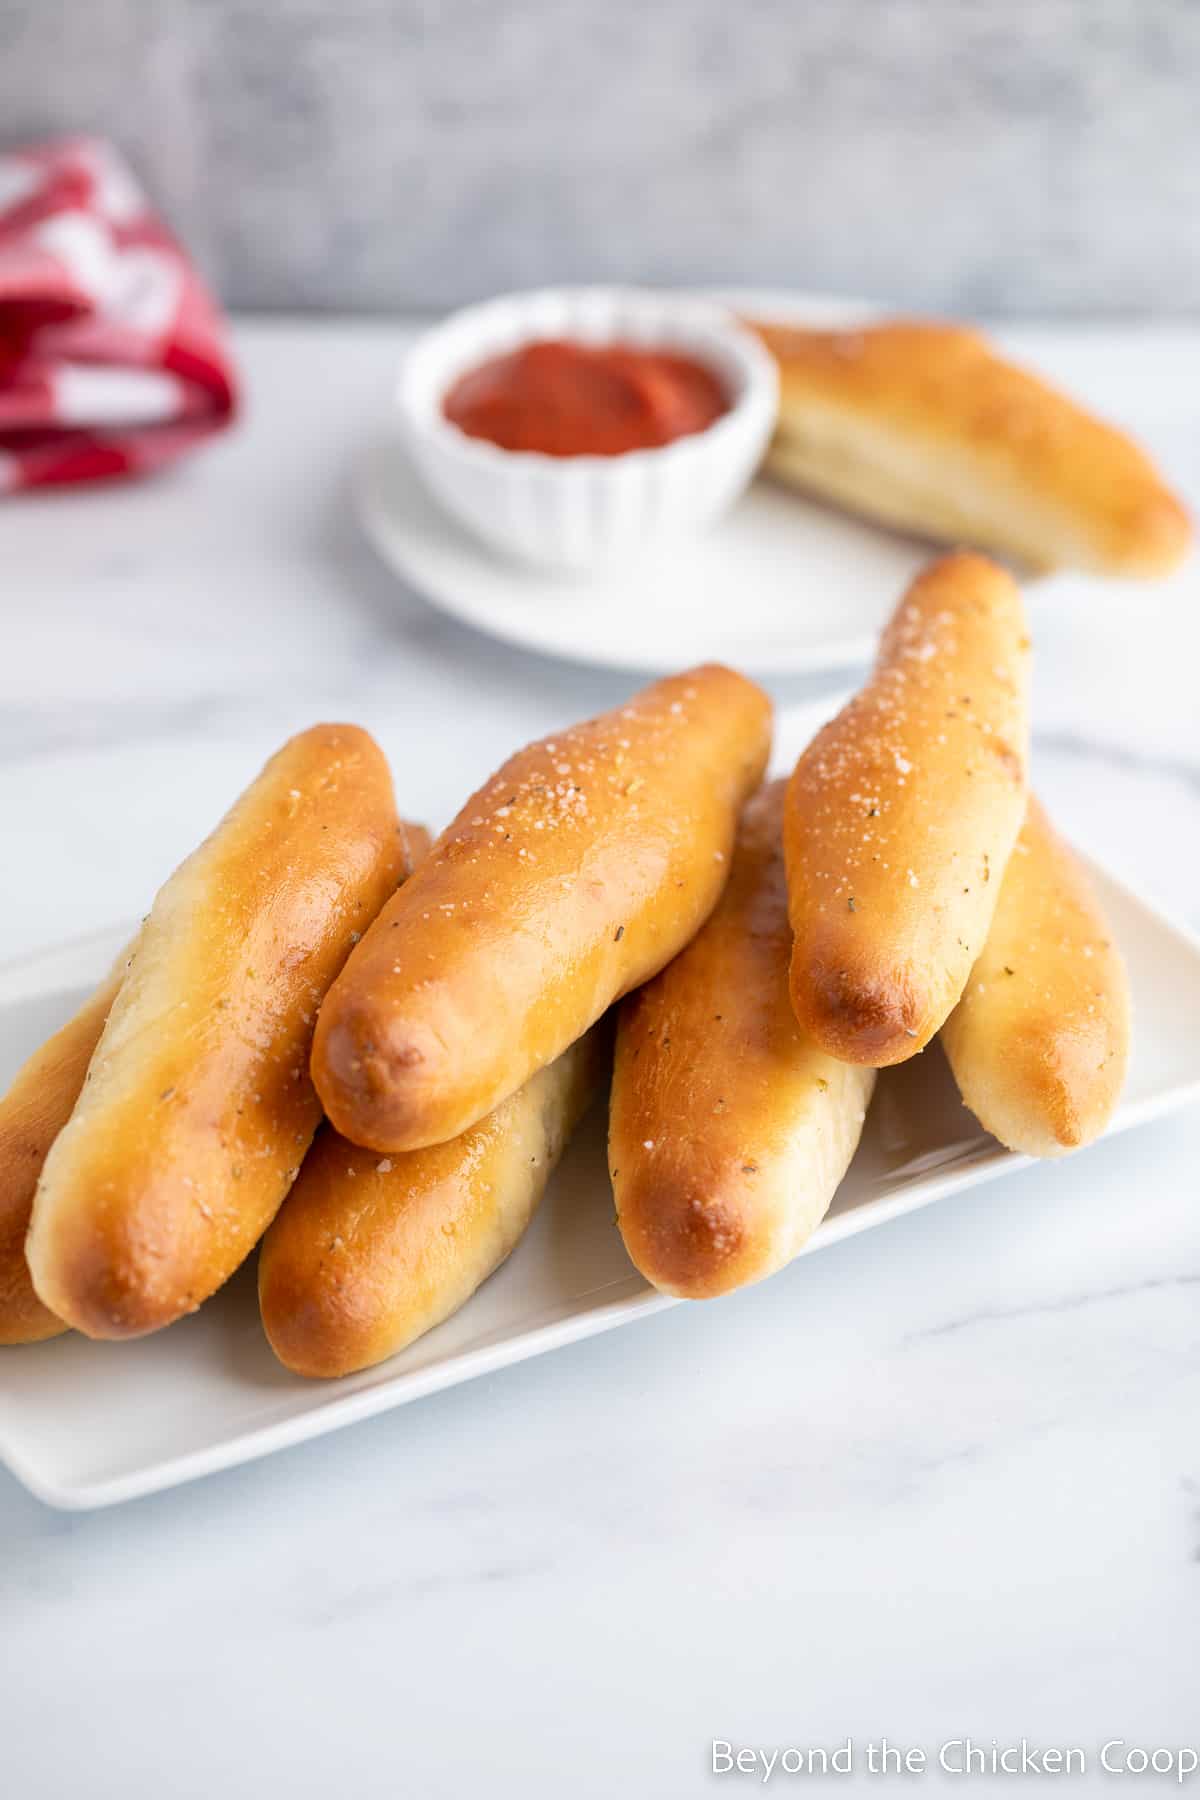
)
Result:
{"points": [[112, 354]]}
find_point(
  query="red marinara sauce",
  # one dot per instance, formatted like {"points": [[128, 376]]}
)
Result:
{"points": [[568, 399]]}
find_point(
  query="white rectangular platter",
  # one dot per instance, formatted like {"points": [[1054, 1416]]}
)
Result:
{"points": [[86, 1425]]}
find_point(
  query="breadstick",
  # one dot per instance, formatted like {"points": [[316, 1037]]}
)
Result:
{"points": [[32, 1113], [729, 1129], [575, 873], [1040, 1039], [924, 427], [368, 1253], [198, 1108], [902, 813]]}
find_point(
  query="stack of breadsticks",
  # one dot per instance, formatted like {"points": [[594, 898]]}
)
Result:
{"points": [[368, 1053]]}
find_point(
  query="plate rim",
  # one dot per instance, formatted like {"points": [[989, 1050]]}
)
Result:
{"points": [[368, 476]]}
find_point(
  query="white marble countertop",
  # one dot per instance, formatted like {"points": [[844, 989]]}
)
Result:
{"points": [[940, 1481]]}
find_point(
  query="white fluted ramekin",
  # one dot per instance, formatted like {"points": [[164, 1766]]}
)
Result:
{"points": [[588, 512]]}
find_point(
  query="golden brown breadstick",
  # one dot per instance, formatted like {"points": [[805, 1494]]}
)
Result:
{"points": [[729, 1129], [1040, 1039], [32, 1113], [922, 426], [902, 813], [198, 1108], [573, 874], [369, 1252]]}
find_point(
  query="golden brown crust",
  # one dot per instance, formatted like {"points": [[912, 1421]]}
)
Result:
{"points": [[198, 1108], [1040, 1039], [923, 426], [415, 845], [32, 1113], [729, 1129], [902, 814], [369, 1252], [575, 873]]}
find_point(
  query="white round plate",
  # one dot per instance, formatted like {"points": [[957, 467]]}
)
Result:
{"points": [[779, 586]]}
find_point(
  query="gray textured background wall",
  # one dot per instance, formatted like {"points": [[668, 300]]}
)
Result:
{"points": [[993, 156]]}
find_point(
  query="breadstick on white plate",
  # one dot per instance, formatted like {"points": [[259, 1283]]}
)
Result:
{"points": [[198, 1107], [923, 426], [1039, 1041], [575, 873], [32, 1113], [369, 1252], [729, 1128], [901, 816]]}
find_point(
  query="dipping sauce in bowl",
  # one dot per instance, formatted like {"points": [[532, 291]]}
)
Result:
{"points": [[579, 428], [570, 399]]}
